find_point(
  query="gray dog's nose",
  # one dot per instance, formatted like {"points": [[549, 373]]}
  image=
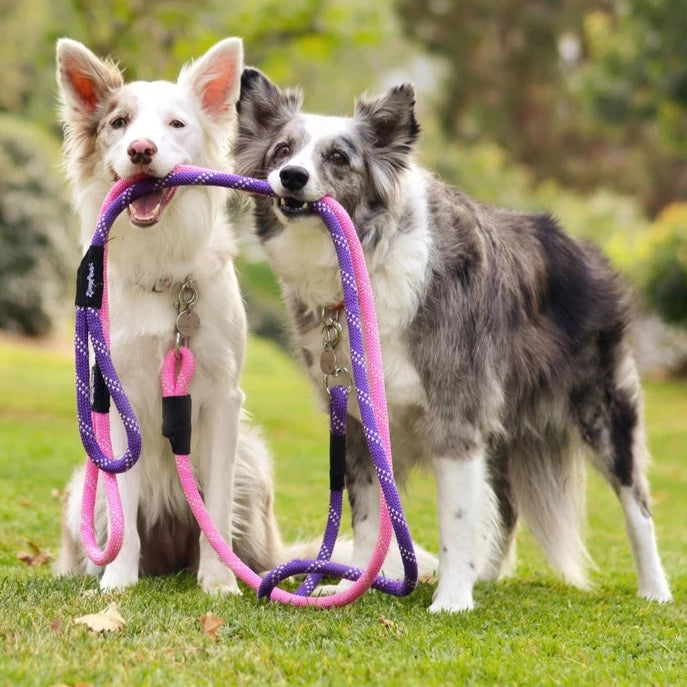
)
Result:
{"points": [[294, 178]]}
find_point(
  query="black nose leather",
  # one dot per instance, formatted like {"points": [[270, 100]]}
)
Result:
{"points": [[294, 178]]}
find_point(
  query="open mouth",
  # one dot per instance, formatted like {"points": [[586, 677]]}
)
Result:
{"points": [[293, 207], [146, 210]]}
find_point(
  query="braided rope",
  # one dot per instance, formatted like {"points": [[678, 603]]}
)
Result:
{"points": [[90, 324]]}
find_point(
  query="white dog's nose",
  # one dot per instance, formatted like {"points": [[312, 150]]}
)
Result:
{"points": [[141, 151], [293, 178]]}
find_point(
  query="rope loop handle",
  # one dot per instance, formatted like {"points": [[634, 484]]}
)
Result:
{"points": [[177, 372], [89, 327]]}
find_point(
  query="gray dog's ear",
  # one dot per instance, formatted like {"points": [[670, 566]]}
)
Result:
{"points": [[262, 105], [389, 129], [262, 108], [390, 120]]}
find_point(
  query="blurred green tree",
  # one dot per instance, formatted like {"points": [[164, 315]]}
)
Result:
{"points": [[633, 85], [317, 43], [588, 92]]}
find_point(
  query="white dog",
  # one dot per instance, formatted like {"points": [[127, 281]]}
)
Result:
{"points": [[176, 237]]}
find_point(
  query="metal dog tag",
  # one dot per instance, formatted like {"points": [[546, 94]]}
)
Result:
{"points": [[328, 362], [188, 323]]}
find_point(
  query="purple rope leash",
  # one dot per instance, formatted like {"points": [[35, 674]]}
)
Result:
{"points": [[89, 325], [372, 435], [337, 429]]}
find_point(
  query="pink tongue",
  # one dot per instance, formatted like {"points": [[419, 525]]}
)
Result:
{"points": [[145, 205]]}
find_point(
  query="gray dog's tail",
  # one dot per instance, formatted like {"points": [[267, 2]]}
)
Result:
{"points": [[548, 483]]}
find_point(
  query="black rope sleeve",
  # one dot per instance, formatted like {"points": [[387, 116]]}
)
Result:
{"points": [[89, 278], [176, 423], [100, 398], [337, 461]]}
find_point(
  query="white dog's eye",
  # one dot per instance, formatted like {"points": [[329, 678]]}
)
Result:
{"points": [[177, 124], [119, 122]]}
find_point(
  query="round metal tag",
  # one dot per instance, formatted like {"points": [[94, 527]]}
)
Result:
{"points": [[328, 362], [188, 323]]}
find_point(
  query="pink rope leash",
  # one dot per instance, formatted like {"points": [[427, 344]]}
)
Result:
{"points": [[375, 375], [180, 387], [177, 384]]}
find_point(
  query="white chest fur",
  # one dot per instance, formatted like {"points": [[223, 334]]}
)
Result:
{"points": [[304, 258]]}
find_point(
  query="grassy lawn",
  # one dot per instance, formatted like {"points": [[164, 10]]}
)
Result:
{"points": [[528, 630]]}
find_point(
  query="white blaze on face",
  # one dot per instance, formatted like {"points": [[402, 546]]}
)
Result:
{"points": [[319, 129], [165, 116]]}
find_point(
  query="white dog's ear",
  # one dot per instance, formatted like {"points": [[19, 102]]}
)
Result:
{"points": [[83, 78], [215, 78]]}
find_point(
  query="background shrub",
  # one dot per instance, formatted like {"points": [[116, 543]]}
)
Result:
{"points": [[37, 248], [663, 250]]}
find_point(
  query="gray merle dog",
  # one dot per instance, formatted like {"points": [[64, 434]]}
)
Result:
{"points": [[504, 340]]}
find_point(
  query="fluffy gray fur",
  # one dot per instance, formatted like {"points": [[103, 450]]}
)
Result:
{"points": [[518, 337]]}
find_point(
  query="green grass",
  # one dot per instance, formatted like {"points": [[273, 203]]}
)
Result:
{"points": [[528, 630]]}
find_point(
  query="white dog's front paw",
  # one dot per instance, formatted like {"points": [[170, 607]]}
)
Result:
{"points": [[118, 578], [452, 600], [216, 578]]}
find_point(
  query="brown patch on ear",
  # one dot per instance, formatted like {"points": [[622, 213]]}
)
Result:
{"points": [[84, 79]]}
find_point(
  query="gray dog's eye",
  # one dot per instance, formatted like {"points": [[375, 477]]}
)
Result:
{"points": [[282, 151], [338, 157]]}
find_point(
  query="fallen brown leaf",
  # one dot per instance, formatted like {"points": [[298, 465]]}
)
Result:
{"points": [[108, 620], [428, 578], [386, 622], [36, 558], [209, 624]]}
